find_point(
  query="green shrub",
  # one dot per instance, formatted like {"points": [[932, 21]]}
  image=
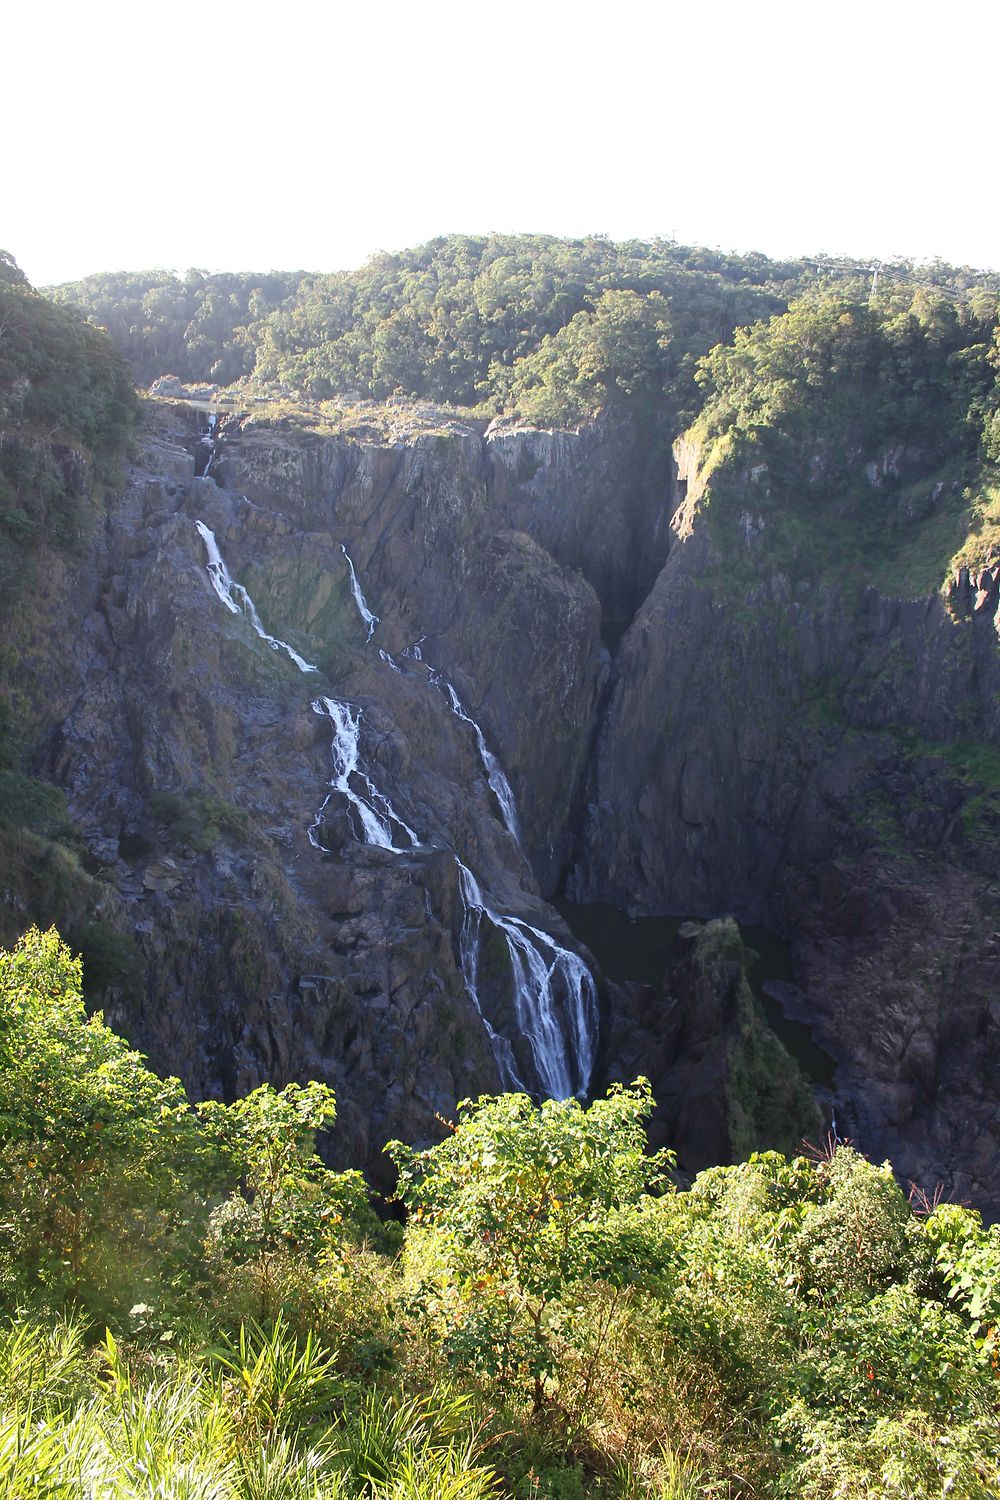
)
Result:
{"points": [[200, 819]]}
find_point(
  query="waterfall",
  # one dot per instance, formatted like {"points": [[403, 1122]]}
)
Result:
{"points": [[375, 812], [232, 593], [384, 655], [542, 972], [370, 620], [208, 441], [499, 785], [554, 995]]}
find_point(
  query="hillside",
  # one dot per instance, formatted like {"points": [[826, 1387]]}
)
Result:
{"points": [[748, 679], [547, 664]]}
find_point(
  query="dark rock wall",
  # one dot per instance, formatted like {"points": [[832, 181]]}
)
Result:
{"points": [[779, 751], [811, 759], [193, 764]]}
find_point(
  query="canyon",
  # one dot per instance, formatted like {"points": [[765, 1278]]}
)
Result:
{"points": [[414, 680]]}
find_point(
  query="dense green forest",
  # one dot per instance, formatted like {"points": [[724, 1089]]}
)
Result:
{"points": [[812, 369], [196, 1306], [197, 327], [553, 328]]}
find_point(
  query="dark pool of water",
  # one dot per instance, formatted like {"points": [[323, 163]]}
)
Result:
{"points": [[640, 949]]}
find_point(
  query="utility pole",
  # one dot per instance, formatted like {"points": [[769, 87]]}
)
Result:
{"points": [[874, 291]]}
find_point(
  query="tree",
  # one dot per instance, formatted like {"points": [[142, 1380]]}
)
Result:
{"points": [[287, 1202], [98, 1152], [517, 1204]]}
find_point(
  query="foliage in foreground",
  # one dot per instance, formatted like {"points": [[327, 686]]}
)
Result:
{"points": [[194, 1306]]}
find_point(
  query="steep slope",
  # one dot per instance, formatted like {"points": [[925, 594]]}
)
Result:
{"points": [[278, 800], [816, 754]]}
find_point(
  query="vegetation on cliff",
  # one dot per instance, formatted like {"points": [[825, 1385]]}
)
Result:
{"points": [[195, 1306], [844, 429], [833, 382], [66, 407], [552, 328]]}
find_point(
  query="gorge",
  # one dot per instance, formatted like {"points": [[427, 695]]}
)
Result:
{"points": [[341, 702]]}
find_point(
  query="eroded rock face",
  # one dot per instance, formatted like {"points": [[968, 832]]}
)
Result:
{"points": [[515, 626], [794, 755], [723, 1082], [599, 500], [195, 764], [790, 753]]}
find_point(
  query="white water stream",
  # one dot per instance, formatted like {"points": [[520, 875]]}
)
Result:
{"points": [[208, 441], [236, 599], [499, 784], [555, 997], [554, 994], [384, 655], [370, 620], [375, 813], [544, 973]]}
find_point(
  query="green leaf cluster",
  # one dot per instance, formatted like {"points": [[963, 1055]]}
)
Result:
{"points": [[115, 1187], [197, 327], [828, 386], [564, 1319]]}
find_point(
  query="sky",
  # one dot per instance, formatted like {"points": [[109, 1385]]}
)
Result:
{"points": [[307, 136]]}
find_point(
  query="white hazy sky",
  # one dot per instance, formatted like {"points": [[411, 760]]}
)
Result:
{"points": [[307, 135]]}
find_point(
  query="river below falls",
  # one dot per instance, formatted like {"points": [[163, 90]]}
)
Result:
{"points": [[640, 950]]}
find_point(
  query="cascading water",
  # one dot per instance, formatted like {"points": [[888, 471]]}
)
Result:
{"points": [[499, 785], [207, 440], [370, 620], [384, 656], [232, 593], [549, 981], [542, 970], [375, 813], [468, 945]]}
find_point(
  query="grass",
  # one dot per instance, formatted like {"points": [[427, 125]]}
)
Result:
{"points": [[254, 1422], [981, 547], [901, 540]]}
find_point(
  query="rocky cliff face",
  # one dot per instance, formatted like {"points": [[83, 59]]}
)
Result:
{"points": [[818, 759], [195, 756], [795, 754]]}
